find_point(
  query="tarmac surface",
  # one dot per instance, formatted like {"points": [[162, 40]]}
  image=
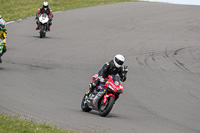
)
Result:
{"points": [[45, 79]]}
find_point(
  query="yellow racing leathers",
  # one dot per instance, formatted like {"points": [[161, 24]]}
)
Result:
{"points": [[3, 36]]}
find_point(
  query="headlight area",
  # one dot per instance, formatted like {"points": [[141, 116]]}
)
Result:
{"points": [[110, 87]]}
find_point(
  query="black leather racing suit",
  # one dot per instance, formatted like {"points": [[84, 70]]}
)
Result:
{"points": [[48, 11], [109, 69]]}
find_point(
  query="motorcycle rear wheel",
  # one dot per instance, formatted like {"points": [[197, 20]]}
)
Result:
{"points": [[105, 108], [84, 105]]}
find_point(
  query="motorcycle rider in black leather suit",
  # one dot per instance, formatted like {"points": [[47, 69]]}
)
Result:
{"points": [[110, 68]]}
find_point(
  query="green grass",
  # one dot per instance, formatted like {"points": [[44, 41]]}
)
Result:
{"points": [[19, 124], [16, 9]]}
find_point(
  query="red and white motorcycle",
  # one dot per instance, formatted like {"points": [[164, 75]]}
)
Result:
{"points": [[43, 24]]}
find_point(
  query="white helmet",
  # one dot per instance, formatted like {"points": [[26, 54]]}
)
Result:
{"points": [[2, 24], [45, 4], [119, 60]]}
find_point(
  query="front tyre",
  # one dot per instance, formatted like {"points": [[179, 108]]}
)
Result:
{"points": [[42, 31], [84, 105], [105, 108]]}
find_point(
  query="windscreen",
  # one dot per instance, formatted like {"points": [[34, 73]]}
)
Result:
{"points": [[116, 79], [44, 15]]}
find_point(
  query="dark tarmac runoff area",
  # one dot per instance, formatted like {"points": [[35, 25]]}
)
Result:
{"points": [[45, 79]]}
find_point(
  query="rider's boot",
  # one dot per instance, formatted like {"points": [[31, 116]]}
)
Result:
{"points": [[37, 28], [91, 88], [0, 60], [49, 26]]}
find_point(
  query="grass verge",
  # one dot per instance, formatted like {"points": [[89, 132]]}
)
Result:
{"points": [[16, 9], [19, 124]]}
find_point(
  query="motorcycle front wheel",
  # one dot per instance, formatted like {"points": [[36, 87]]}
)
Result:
{"points": [[42, 31], [105, 108], [84, 105]]}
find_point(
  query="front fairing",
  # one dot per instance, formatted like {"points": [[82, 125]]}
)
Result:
{"points": [[114, 84], [43, 19]]}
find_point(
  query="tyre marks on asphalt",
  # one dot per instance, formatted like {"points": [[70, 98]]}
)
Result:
{"points": [[178, 63], [159, 59]]}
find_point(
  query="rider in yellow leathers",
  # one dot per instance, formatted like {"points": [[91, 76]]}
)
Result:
{"points": [[3, 36]]}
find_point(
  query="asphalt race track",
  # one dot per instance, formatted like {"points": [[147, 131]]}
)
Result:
{"points": [[45, 79]]}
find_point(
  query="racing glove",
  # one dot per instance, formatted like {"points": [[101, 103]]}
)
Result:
{"points": [[125, 70]]}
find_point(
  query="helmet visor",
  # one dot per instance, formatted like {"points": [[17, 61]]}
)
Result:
{"points": [[119, 62]]}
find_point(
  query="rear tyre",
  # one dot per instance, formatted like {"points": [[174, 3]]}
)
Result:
{"points": [[84, 105], [105, 108]]}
